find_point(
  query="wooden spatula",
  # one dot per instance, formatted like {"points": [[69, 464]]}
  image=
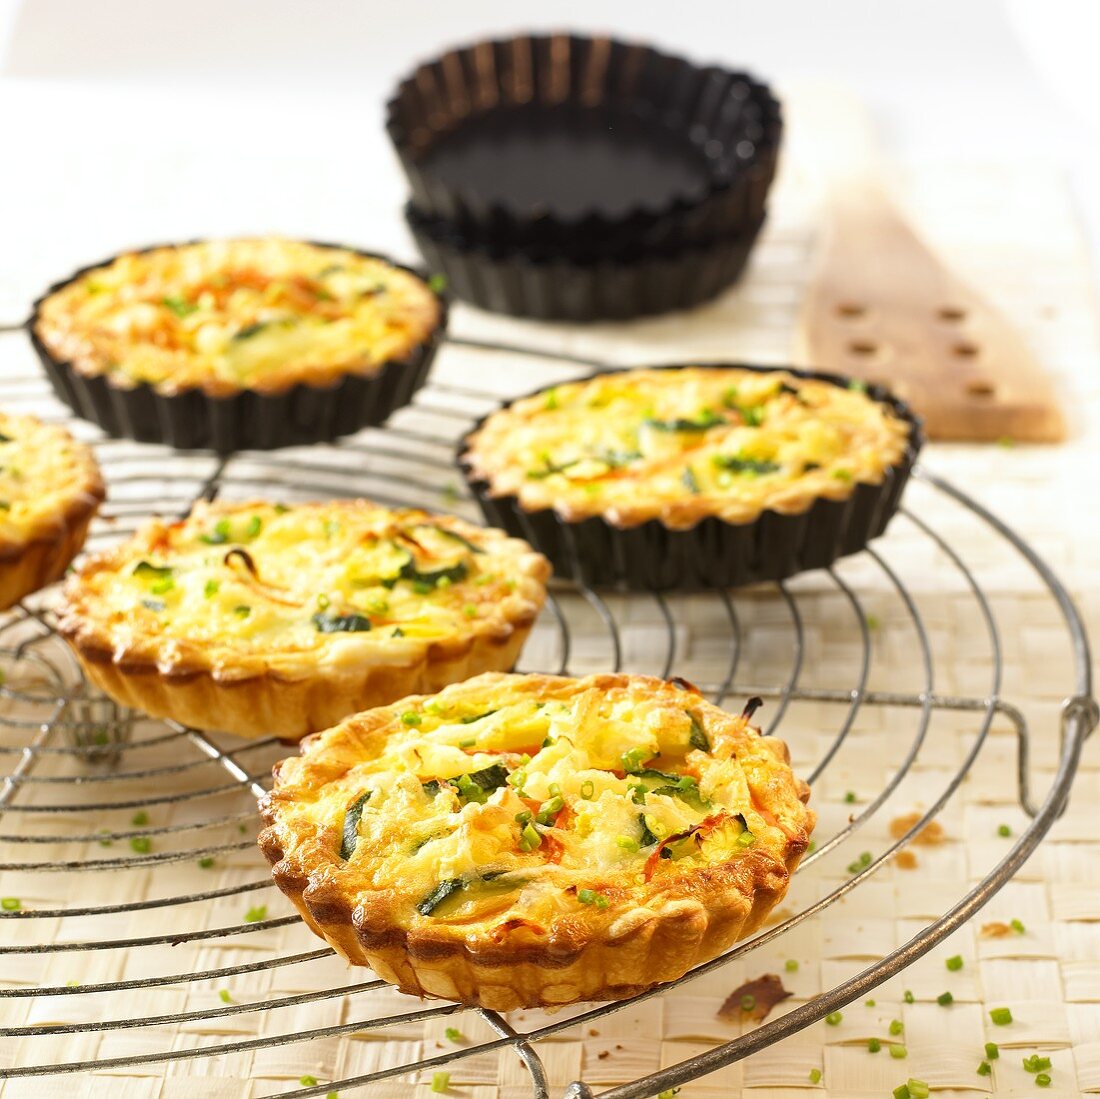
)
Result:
{"points": [[883, 307]]}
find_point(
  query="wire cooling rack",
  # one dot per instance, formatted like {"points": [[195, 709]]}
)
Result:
{"points": [[152, 825]]}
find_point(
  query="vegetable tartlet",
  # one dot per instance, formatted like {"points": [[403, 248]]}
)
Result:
{"points": [[688, 476], [50, 488], [207, 323], [520, 841], [260, 619]]}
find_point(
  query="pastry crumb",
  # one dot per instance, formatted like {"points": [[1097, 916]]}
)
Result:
{"points": [[930, 835], [997, 929], [906, 860]]}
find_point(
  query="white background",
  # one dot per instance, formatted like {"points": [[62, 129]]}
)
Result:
{"points": [[218, 96]]}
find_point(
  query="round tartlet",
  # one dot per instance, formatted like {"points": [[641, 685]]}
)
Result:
{"points": [[50, 488], [694, 476], [520, 841], [259, 619], [238, 343]]}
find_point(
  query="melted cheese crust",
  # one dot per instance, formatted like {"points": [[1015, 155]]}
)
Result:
{"points": [[535, 798], [237, 314], [686, 443], [249, 587], [47, 480]]}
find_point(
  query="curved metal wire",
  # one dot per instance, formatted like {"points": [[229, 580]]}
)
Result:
{"points": [[179, 479]]}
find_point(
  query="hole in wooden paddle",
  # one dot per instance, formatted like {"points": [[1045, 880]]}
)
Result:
{"points": [[979, 387], [863, 348], [951, 313], [965, 350], [850, 310]]}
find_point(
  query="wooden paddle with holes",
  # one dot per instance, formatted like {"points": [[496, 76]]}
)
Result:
{"points": [[884, 307]]}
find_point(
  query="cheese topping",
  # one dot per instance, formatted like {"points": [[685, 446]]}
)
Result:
{"points": [[686, 443], [343, 580], [534, 791], [225, 315], [43, 474]]}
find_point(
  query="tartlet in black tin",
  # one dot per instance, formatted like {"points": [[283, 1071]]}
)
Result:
{"points": [[693, 477], [574, 143], [239, 344]]}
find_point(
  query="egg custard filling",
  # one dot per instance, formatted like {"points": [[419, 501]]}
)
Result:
{"points": [[349, 592], [552, 812], [684, 443], [226, 315], [50, 487]]}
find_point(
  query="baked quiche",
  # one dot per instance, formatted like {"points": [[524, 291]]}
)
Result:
{"points": [[530, 840], [686, 451], [50, 488], [260, 619], [226, 315]]}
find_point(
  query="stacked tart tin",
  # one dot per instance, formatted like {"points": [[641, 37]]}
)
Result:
{"points": [[581, 179]]}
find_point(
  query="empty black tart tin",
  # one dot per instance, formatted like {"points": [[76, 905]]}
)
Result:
{"points": [[247, 419], [713, 553], [568, 142], [537, 283]]}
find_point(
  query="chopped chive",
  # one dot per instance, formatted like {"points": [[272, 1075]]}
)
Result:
{"points": [[909, 998], [1018, 927], [873, 1045], [633, 759], [470, 610], [225, 997], [138, 819], [945, 999], [586, 896], [850, 797], [410, 718], [210, 589], [842, 474], [896, 1027], [529, 838], [746, 839], [141, 844], [918, 1089], [815, 1076], [242, 611], [748, 1002], [898, 1051], [833, 1018], [1001, 1016], [1004, 830], [105, 840], [307, 1081], [992, 1051], [255, 525], [469, 742], [588, 789], [901, 1092], [954, 963], [1035, 1063], [873, 622], [668, 1093], [791, 965], [437, 284], [985, 1069], [440, 1081], [868, 1003], [1042, 1080], [627, 843], [10, 904], [206, 862], [256, 914], [453, 1034]]}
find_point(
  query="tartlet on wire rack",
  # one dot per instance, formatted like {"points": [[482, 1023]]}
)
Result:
{"points": [[521, 841], [235, 344], [259, 619], [694, 476], [50, 488]]}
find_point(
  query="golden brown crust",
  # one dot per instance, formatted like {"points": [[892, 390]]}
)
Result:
{"points": [[186, 670], [40, 535], [550, 953], [682, 444]]}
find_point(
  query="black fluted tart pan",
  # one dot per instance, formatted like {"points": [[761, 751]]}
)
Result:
{"points": [[713, 553], [543, 286], [575, 143], [246, 419]]}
